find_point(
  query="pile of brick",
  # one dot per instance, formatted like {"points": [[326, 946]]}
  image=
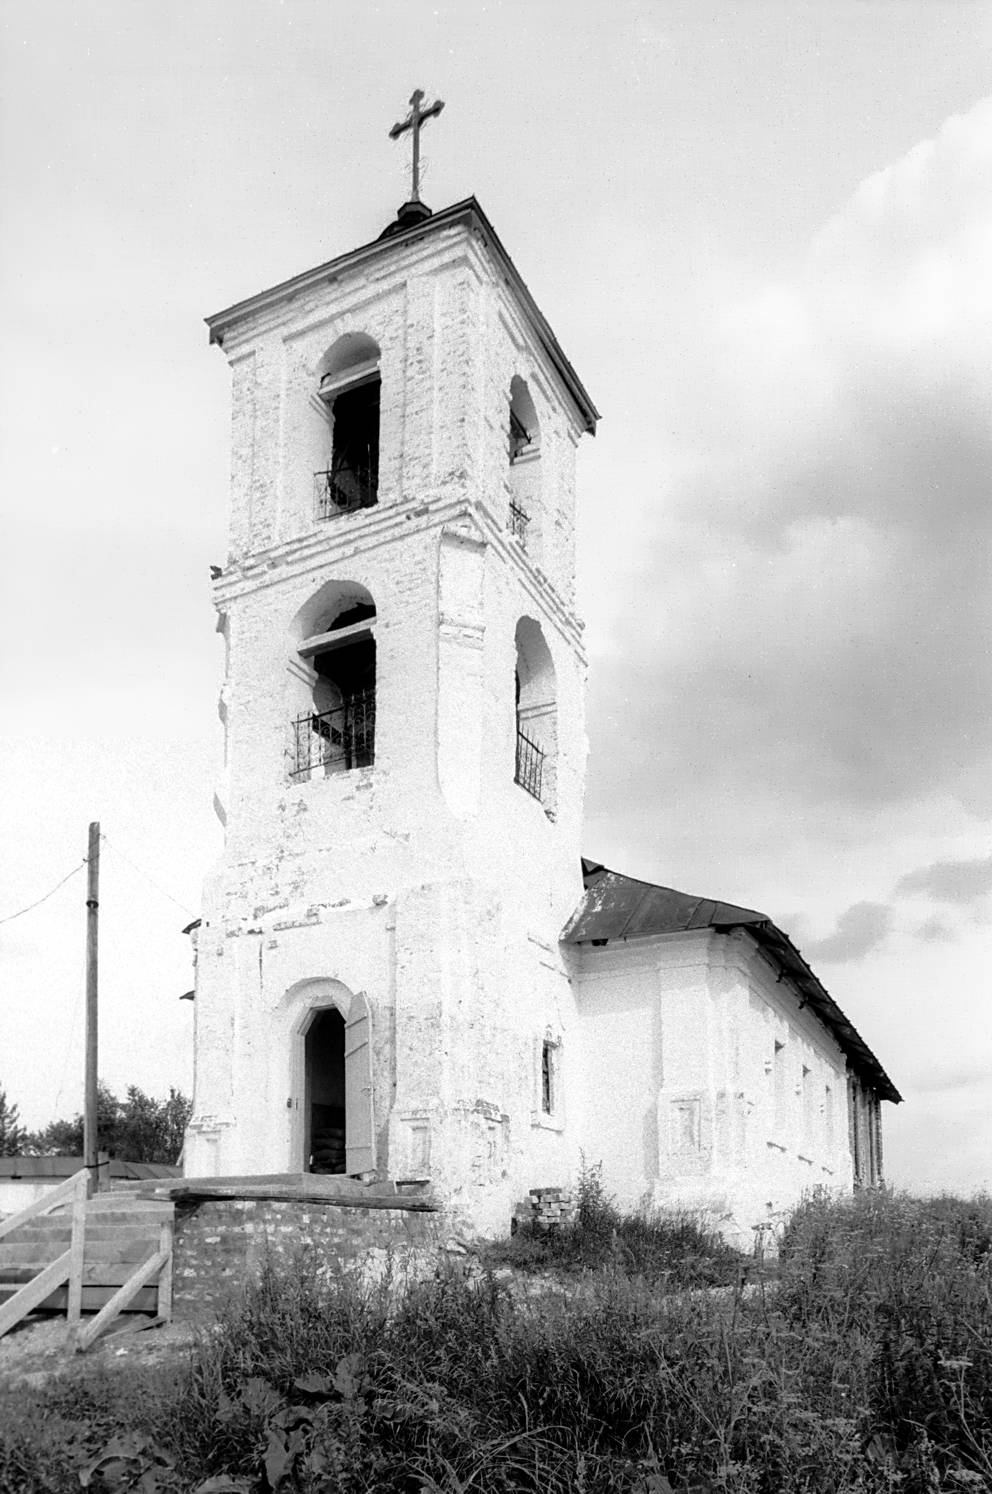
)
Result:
{"points": [[545, 1208]]}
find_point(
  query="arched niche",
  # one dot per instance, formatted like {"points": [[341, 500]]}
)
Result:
{"points": [[331, 1034], [535, 689], [345, 405], [333, 669], [523, 456]]}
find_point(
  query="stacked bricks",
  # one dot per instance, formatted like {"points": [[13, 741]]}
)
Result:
{"points": [[222, 1243], [546, 1208]]}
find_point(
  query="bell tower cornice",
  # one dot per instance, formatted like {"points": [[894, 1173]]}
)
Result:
{"points": [[380, 251], [315, 553]]}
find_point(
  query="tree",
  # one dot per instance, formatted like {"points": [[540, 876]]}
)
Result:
{"points": [[12, 1134], [136, 1129]]}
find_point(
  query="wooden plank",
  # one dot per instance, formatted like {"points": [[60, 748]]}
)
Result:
{"points": [[41, 1229], [94, 1297], [94, 1273], [104, 1207], [38, 1253], [130, 1231], [34, 1293], [360, 1124], [120, 1300], [403, 1203], [76, 1254], [165, 1280], [35, 1253], [59, 1195]]}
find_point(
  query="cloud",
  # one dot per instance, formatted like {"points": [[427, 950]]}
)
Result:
{"points": [[935, 931], [950, 881], [860, 929], [817, 605]]}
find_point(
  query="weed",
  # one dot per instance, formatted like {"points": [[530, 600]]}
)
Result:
{"points": [[667, 1247], [865, 1369]]}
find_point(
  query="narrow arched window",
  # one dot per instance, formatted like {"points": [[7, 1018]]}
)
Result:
{"points": [[536, 715], [524, 450], [337, 732], [348, 391]]}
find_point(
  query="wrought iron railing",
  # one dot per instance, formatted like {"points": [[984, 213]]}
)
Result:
{"points": [[343, 488], [530, 764], [335, 741], [519, 519]]}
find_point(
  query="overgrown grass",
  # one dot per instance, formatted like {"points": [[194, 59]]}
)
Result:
{"points": [[866, 1368], [675, 1249]]}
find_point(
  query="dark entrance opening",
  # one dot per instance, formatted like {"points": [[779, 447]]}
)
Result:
{"points": [[325, 1097]]}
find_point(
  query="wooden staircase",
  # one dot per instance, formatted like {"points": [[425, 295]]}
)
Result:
{"points": [[107, 1254]]}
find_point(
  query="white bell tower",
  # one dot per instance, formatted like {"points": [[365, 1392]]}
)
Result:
{"points": [[379, 984]]}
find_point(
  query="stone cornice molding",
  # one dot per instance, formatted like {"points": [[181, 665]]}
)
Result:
{"points": [[317, 551]]}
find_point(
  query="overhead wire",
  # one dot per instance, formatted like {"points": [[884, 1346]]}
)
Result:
{"points": [[148, 878], [37, 904], [51, 893]]}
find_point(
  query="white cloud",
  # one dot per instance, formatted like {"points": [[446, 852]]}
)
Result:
{"points": [[818, 608], [860, 929]]}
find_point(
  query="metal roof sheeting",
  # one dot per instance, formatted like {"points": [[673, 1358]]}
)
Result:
{"points": [[64, 1167], [619, 907]]}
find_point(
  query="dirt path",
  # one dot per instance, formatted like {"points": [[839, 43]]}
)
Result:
{"points": [[40, 1347]]}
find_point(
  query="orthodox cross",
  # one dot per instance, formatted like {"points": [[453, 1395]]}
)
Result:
{"points": [[414, 122]]}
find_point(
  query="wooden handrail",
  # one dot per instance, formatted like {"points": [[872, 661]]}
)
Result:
{"points": [[126, 1294], [59, 1195], [33, 1293]]}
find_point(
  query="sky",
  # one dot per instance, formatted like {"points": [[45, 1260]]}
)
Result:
{"points": [[762, 233]]}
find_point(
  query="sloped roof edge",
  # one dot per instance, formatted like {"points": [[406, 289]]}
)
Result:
{"points": [[468, 209], [618, 907], [62, 1166]]}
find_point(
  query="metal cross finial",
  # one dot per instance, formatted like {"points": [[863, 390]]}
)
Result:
{"points": [[414, 122]]}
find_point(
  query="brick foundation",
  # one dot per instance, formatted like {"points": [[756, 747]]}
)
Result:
{"points": [[222, 1242]]}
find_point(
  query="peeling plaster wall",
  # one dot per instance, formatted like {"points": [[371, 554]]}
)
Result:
{"points": [[430, 881], [705, 1083]]}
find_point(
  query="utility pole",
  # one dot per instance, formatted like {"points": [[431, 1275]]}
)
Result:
{"points": [[90, 1146]]}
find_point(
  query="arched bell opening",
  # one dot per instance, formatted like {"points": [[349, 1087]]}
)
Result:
{"points": [[536, 763], [524, 452], [346, 403], [335, 662]]}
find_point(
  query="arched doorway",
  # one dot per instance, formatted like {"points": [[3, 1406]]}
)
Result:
{"points": [[325, 1113], [338, 1120]]}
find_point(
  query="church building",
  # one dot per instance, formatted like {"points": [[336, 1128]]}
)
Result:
{"points": [[405, 970]]}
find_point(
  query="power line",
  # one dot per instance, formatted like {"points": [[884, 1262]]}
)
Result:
{"points": [[21, 911], [150, 880]]}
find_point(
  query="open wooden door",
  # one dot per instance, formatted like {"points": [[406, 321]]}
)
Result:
{"points": [[360, 1121]]}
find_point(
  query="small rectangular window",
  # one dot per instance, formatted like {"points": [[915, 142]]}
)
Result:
{"points": [[547, 1077]]}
